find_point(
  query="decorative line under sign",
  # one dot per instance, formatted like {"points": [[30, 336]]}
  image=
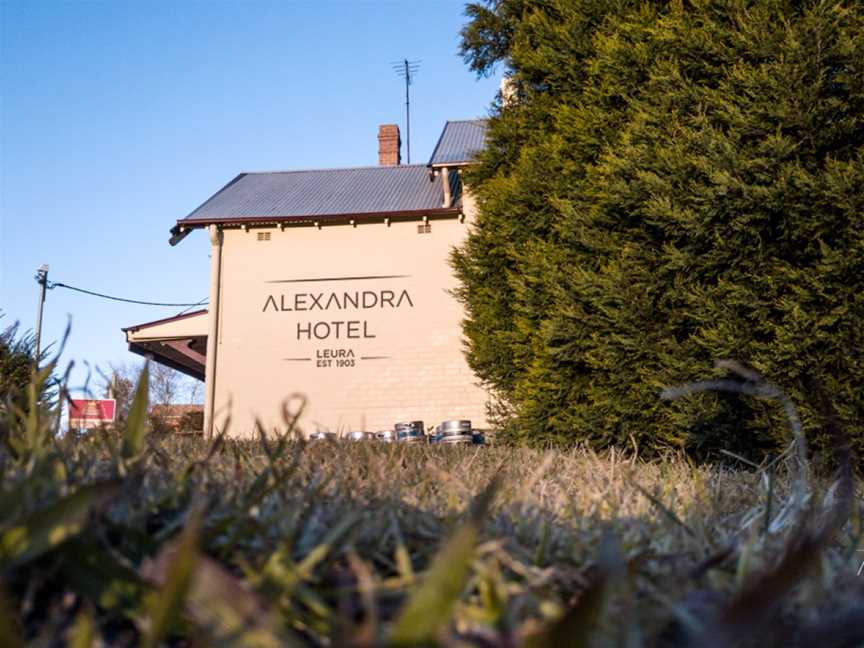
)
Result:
{"points": [[338, 279]]}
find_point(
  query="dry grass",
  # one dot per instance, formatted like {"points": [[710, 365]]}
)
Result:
{"points": [[138, 540]]}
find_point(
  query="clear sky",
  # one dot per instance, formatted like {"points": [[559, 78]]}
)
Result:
{"points": [[118, 118]]}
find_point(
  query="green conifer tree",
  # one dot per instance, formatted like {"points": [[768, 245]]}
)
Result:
{"points": [[17, 361], [676, 182]]}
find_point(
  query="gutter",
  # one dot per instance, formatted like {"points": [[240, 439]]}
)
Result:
{"points": [[185, 225], [136, 327], [178, 233]]}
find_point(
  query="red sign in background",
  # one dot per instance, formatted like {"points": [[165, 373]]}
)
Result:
{"points": [[83, 411]]}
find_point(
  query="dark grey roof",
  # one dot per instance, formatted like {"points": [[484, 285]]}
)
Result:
{"points": [[327, 192], [460, 142]]}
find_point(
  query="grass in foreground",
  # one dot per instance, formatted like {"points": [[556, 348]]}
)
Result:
{"points": [[134, 540]]}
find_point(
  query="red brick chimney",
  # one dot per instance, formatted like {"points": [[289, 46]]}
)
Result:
{"points": [[388, 145]]}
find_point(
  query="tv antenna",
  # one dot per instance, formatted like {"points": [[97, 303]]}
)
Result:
{"points": [[407, 69]]}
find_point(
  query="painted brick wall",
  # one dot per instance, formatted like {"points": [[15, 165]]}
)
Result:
{"points": [[409, 363]]}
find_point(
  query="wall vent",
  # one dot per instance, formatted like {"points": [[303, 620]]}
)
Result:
{"points": [[424, 228], [263, 236]]}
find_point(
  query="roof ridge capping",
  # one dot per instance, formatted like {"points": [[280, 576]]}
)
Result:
{"points": [[347, 168]]}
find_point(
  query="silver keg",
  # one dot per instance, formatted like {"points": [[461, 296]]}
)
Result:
{"points": [[322, 436], [456, 439], [410, 432], [386, 436], [455, 432], [454, 428]]}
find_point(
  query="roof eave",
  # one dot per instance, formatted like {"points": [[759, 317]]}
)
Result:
{"points": [[191, 371], [462, 163], [164, 320], [191, 223]]}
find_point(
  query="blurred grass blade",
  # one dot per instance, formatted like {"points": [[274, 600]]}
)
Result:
{"points": [[136, 423], [402, 557], [82, 634], [365, 634], [11, 504], [10, 635], [172, 570], [320, 551], [229, 614], [281, 570], [97, 576], [752, 605], [429, 609], [223, 611], [576, 627], [670, 515], [45, 529]]}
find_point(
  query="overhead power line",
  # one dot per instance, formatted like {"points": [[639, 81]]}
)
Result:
{"points": [[56, 284], [203, 302]]}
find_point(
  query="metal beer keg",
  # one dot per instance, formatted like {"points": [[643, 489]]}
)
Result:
{"points": [[322, 436], [410, 432], [385, 436], [456, 432]]}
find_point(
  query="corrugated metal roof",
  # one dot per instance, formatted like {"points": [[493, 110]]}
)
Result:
{"points": [[460, 142], [325, 192]]}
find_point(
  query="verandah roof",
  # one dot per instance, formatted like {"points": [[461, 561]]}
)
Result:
{"points": [[179, 342]]}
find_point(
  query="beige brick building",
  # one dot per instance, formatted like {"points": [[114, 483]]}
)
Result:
{"points": [[335, 285]]}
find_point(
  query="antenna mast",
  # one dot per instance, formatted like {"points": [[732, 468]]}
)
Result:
{"points": [[407, 69]]}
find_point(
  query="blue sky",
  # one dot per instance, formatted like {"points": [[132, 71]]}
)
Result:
{"points": [[118, 118]]}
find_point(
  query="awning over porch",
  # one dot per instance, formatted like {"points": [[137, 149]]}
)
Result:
{"points": [[179, 342]]}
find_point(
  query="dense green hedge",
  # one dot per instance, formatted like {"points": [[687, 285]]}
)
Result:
{"points": [[16, 361], [675, 183]]}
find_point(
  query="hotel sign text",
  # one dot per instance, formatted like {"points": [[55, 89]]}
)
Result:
{"points": [[336, 302]]}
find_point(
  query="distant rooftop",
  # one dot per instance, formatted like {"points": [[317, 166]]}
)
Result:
{"points": [[460, 142], [303, 195]]}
